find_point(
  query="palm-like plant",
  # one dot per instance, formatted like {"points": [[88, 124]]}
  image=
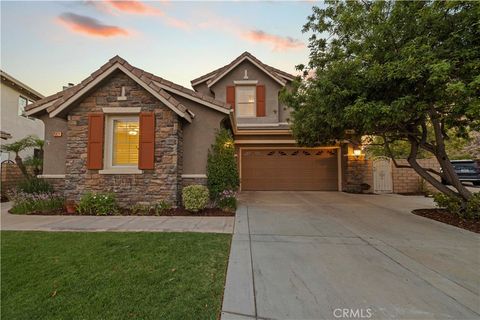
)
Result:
{"points": [[24, 144], [17, 147]]}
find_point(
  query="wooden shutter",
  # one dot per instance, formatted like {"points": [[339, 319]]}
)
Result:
{"points": [[95, 141], [231, 96], [261, 100], [146, 152]]}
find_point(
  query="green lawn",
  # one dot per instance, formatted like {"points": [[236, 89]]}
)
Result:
{"points": [[69, 275]]}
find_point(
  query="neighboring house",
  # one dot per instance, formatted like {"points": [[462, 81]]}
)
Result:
{"points": [[143, 137], [15, 96]]}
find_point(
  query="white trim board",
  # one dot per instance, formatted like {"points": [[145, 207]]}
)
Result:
{"points": [[188, 96], [240, 61], [194, 175], [51, 176]]}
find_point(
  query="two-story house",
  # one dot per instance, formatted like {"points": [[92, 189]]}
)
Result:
{"points": [[15, 124], [143, 137]]}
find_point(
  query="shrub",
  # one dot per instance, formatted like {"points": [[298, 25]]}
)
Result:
{"points": [[24, 203], [227, 200], [161, 207], [222, 173], [454, 205], [35, 185], [100, 204], [473, 207], [195, 197], [146, 209]]}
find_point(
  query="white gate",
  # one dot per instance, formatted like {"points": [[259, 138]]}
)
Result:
{"points": [[382, 175]]}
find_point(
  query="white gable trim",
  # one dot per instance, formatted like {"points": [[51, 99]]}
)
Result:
{"points": [[186, 115], [104, 75], [240, 61], [188, 96], [203, 80]]}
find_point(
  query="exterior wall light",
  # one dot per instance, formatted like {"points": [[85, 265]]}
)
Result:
{"points": [[357, 153]]}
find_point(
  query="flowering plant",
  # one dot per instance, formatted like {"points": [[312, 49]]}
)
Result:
{"points": [[100, 204], [227, 200], [24, 203]]}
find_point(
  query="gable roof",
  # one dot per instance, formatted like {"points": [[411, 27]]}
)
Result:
{"points": [[157, 86], [215, 75], [33, 94]]}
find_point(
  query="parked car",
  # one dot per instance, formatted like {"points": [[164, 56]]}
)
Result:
{"points": [[467, 171]]}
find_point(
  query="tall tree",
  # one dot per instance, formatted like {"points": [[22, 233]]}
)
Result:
{"points": [[403, 70]]}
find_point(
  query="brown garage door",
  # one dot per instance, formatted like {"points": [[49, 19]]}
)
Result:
{"points": [[289, 169]]}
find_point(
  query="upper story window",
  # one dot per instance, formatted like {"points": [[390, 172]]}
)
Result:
{"points": [[245, 100]]}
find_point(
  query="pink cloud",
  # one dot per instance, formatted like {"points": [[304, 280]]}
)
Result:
{"points": [[90, 26], [278, 42], [135, 7]]}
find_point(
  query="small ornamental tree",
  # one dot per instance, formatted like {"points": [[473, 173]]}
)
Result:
{"points": [[402, 70], [35, 162], [222, 172]]}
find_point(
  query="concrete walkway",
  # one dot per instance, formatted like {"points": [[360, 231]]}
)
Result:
{"points": [[330, 255], [115, 223]]}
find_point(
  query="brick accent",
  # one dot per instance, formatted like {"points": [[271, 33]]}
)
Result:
{"points": [[406, 180], [162, 183], [11, 176]]}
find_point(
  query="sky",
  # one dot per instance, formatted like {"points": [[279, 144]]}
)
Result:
{"points": [[47, 44]]}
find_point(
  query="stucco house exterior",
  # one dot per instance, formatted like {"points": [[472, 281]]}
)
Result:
{"points": [[15, 124], [143, 137]]}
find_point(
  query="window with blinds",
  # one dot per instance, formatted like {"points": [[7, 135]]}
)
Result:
{"points": [[125, 142]]}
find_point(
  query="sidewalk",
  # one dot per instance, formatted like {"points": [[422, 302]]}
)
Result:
{"points": [[114, 223]]}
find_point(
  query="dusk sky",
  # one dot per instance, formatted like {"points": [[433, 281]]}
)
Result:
{"points": [[48, 44]]}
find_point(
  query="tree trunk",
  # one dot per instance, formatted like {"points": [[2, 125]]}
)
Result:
{"points": [[447, 167], [21, 166], [422, 172]]}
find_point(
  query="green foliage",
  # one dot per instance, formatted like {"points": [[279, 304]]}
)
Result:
{"points": [[396, 69], [99, 204], [26, 203], [222, 170], [195, 197], [227, 200], [157, 208], [162, 206], [473, 206], [34, 185], [454, 205]]}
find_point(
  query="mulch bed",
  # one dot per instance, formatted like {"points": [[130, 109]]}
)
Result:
{"points": [[176, 212], [445, 216]]}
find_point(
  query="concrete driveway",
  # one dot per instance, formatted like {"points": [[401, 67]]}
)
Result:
{"points": [[331, 255]]}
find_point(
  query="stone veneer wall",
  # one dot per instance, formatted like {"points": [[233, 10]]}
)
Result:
{"points": [[358, 172], [162, 183]]}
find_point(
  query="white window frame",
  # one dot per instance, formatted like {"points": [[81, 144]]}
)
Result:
{"points": [[254, 102], [108, 167]]}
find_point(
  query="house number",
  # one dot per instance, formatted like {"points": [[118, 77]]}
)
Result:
{"points": [[57, 134]]}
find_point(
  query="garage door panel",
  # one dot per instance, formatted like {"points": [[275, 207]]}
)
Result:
{"points": [[289, 169]]}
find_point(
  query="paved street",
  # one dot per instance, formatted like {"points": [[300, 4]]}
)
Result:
{"points": [[309, 255]]}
